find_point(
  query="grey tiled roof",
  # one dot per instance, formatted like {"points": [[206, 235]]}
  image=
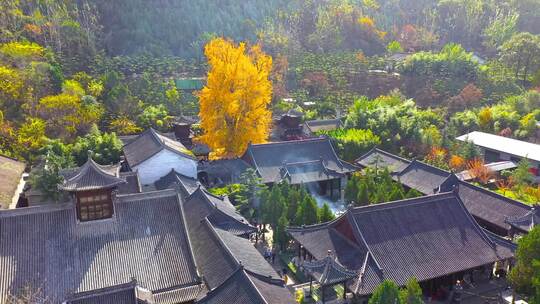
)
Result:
{"points": [[91, 176], [149, 143], [307, 172], [426, 238], [237, 288], [323, 125], [226, 170], [380, 158], [527, 222], [222, 213], [174, 180], [328, 271], [119, 294], [233, 269], [132, 185], [270, 159], [146, 240], [422, 177], [487, 205]]}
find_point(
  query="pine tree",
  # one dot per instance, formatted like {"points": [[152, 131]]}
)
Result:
{"points": [[363, 195], [386, 293], [307, 211], [412, 293], [325, 214], [280, 236], [351, 189]]}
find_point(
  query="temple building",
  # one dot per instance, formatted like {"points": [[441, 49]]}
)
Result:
{"points": [[288, 126], [377, 158], [153, 155], [233, 269], [311, 162], [180, 244], [491, 210], [98, 243], [312, 127], [432, 238], [422, 177]]}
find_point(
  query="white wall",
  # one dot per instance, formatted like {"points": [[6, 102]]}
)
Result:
{"points": [[161, 163]]}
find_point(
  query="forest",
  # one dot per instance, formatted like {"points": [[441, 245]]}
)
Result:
{"points": [[408, 76]]}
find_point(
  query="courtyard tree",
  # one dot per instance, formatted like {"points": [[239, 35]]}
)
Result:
{"points": [[525, 276], [234, 103], [386, 293]]}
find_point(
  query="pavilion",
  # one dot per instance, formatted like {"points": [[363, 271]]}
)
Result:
{"points": [[328, 273]]}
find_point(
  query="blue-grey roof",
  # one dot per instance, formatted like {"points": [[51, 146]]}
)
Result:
{"points": [[382, 159], [487, 205], [270, 159], [149, 143], [328, 271], [145, 240], [186, 185], [233, 269], [427, 237], [91, 176], [422, 177]]}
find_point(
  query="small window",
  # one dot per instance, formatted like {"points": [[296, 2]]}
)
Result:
{"points": [[94, 207]]}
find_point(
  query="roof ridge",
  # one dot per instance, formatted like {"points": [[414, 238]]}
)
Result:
{"points": [[220, 240], [376, 149], [475, 224], [146, 195], [357, 230], [292, 142], [90, 164], [404, 202], [415, 161], [5, 213], [187, 236], [482, 189], [362, 272], [238, 271], [254, 286]]}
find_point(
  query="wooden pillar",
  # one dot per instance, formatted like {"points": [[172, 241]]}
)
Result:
{"points": [[311, 286], [344, 290], [331, 189], [322, 293]]}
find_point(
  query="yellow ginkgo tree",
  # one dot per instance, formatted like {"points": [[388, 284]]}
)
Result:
{"points": [[234, 104]]}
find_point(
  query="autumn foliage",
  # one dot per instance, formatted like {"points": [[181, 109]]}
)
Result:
{"points": [[457, 163], [478, 171], [234, 103]]}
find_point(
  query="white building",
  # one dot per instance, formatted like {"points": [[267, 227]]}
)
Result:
{"points": [[499, 148], [153, 155]]}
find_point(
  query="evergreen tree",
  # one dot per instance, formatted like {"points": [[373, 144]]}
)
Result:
{"points": [[525, 276], [280, 235], [294, 199], [363, 195], [412, 293], [307, 211], [276, 206], [351, 189], [386, 293], [325, 214]]}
